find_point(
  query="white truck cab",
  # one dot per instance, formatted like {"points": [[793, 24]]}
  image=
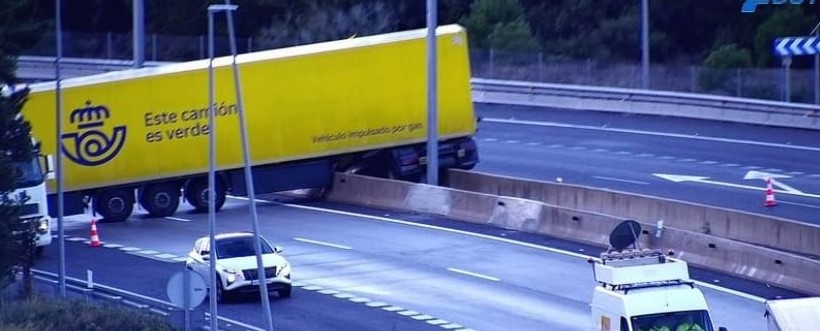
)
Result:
{"points": [[30, 182], [642, 289]]}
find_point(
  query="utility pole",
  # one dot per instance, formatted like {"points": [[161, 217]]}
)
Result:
{"points": [[645, 43], [432, 89], [59, 173], [139, 33]]}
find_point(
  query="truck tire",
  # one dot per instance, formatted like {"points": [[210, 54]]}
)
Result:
{"points": [[160, 200], [114, 205], [196, 193]]}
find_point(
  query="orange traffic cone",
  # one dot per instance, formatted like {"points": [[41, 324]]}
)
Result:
{"points": [[770, 202], [95, 238]]}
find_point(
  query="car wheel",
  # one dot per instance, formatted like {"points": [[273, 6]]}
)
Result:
{"points": [[285, 293]]}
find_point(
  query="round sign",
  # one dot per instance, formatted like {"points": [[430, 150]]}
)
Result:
{"points": [[197, 289]]}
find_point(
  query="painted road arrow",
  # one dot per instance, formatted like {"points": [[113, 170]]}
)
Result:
{"points": [[706, 180], [765, 175]]}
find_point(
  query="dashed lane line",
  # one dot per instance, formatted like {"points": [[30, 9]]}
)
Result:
{"points": [[621, 180], [474, 274], [322, 243]]}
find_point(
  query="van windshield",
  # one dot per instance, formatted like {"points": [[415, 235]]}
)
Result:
{"points": [[696, 320]]}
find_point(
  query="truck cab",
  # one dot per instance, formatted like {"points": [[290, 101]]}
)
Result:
{"points": [[30, 182]]}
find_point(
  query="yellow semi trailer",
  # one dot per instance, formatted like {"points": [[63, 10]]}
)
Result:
{"points": [[141, 135]]}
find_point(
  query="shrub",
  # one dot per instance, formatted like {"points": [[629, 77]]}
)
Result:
{"points": [[48, 315]]}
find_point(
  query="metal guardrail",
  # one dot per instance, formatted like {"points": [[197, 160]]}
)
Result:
{"points": [[173, 313], [688, 105], [662, 103]]}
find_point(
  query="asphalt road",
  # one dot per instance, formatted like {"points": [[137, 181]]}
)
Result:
{"points": [[647, 155], [356, 271]]}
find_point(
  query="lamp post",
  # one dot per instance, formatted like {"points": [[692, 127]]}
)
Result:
{"points": [[59, 152], [645, 44], [139, 33], [263, 286], [816, 33], [211, 170], [432, 86]]}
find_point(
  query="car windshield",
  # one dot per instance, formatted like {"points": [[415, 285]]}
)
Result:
{"points": [[238, 247], [697, 319], [27, 173]]}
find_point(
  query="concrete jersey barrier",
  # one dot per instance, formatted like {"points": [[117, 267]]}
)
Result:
{"points": [[745, 260], [777, 233]]}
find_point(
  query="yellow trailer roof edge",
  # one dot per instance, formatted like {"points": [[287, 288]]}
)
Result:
{"points": [[224, 61]]}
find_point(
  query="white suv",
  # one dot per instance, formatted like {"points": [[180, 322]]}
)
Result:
{"points": [[236, 264]]}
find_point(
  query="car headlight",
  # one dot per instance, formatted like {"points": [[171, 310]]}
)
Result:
{"points": [[284, 269], [43, 226], [234, 275]]}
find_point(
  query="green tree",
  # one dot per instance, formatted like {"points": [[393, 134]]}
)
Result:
{"points": [[786, 21], [719, 63], [19, 29], [500, 24], [326, 21]]}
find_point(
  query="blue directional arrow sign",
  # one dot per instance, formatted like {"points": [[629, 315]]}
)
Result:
{"points": [[796, 46]]}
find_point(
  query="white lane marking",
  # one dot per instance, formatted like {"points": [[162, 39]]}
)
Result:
{"points": [[687, 160], [799, 204], [181, 259], [474, 274], [814, 176], [322, 243], [600, 150], [422, 317], [482, 236], [392, 308], [130, 249], [534, 143], [651, 133], [729, 165], [112, 245], [376, 304], [577, 148], [147, 252], [451, 326], [708, 162], [512, 141], [312, 288], [359, 300], [796, 173], [328, 291], [666, 157], [437, 321], [646, 155], [166, 256], [751, 167], [774, 170], [75, 239], [555, 146], [621, 180], [623, 153], [489, 139], [176, 219]]}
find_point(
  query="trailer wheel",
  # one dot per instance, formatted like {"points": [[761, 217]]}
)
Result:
{"points": [[114, 205], [196, 193], [160, 200]]}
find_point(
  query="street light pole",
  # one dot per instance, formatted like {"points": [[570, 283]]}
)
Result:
{"points": [[432, 87], [263, 286], [59, 152], [816, 33], [211, 175], [645, 43], [139, 33]]}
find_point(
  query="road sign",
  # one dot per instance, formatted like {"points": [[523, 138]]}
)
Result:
{"points": [[196, 292], [796, 46]]}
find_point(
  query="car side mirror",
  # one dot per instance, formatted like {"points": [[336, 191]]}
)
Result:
{"points": [[723, 328], [278, 250]]}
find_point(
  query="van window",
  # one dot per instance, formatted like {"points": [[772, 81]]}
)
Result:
{"points": [[624, 324]]}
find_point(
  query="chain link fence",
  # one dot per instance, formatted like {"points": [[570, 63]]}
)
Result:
{"points": [[759, 83]]}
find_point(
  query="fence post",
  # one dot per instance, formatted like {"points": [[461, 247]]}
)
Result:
{"points": [[201, 46], [693, 73], [108, 44], [739, 82], [540, 66], [154, 46], [250, 44], [492, 63]]}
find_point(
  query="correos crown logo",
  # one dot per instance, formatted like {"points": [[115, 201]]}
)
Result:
{"points": [[89, 145]]}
